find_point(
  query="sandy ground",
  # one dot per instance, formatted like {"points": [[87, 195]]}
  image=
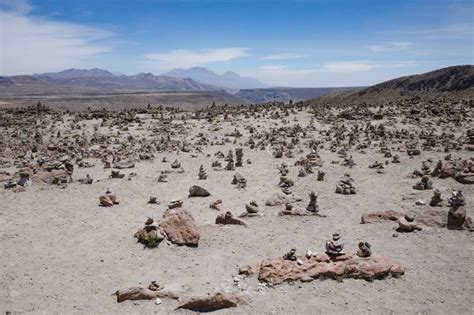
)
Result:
{"points": [[62, 253]]}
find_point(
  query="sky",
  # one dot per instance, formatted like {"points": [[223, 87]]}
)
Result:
{"points": [[318, 43]]}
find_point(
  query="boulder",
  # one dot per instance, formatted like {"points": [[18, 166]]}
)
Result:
{"points": [[180, 227], [209, 302], [124, 164], [465, 178], [197, 191]]}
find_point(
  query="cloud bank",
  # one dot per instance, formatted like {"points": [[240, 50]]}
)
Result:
{"points": [[31, 44], [183, 58]]}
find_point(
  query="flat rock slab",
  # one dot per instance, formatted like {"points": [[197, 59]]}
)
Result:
{"points": [[278, 270], [432, 217], [210, 302], [380, 216]]}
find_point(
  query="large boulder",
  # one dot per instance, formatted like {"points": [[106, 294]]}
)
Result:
{"points": [[180, 227], [278, 270], [452, 168], [210, 302]]}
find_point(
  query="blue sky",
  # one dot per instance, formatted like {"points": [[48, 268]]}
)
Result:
{"points": [[285, 43]]}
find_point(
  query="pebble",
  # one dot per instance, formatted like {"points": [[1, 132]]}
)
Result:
{"points": [[158, 301]]}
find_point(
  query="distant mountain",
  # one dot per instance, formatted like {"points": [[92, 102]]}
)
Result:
{"points": [[96, 80], [229, 79], [75, 73], [282, 94], [5, 81]]}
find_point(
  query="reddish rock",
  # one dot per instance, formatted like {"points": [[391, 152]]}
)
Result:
{"points": [[135, 293], [180, 227], [55, 176], [250, 269], [451, 168], [278, 270]]}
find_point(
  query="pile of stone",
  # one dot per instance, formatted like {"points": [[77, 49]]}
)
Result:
{"points": [[109, 199], [239, 181], [202, 175], [346, 186]]}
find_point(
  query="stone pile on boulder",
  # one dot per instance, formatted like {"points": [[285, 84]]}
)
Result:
{"points": [[320, 266]]}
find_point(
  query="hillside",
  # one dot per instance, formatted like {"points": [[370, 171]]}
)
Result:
{"points": [[454, 82]]}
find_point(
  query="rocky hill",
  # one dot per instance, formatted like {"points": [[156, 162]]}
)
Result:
{"points": [[456, 82]]}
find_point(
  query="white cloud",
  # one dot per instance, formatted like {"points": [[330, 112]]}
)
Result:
{"points": [[459, 30], [337, 73], [32, 44], [390, 46], [273, 67], [283, 56], [16, 6], [349, 66], [187, 58]]}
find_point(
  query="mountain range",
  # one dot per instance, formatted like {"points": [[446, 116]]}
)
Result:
{"points": [[228, 79]]}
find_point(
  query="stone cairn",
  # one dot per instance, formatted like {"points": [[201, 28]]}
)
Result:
{"points": [[239, 181], [457, 212], [424, 184], [239, 154], [202, 175], [334, 246], [230, 161], [109, 199], [436, 200], [291, 255], [175, 164], [346, 186], [163, 178], [251, 209], [312, 206], [407, 223], [364, 250]]}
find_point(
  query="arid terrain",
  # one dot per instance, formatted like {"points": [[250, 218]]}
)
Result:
{"points": [[79, 186]]}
